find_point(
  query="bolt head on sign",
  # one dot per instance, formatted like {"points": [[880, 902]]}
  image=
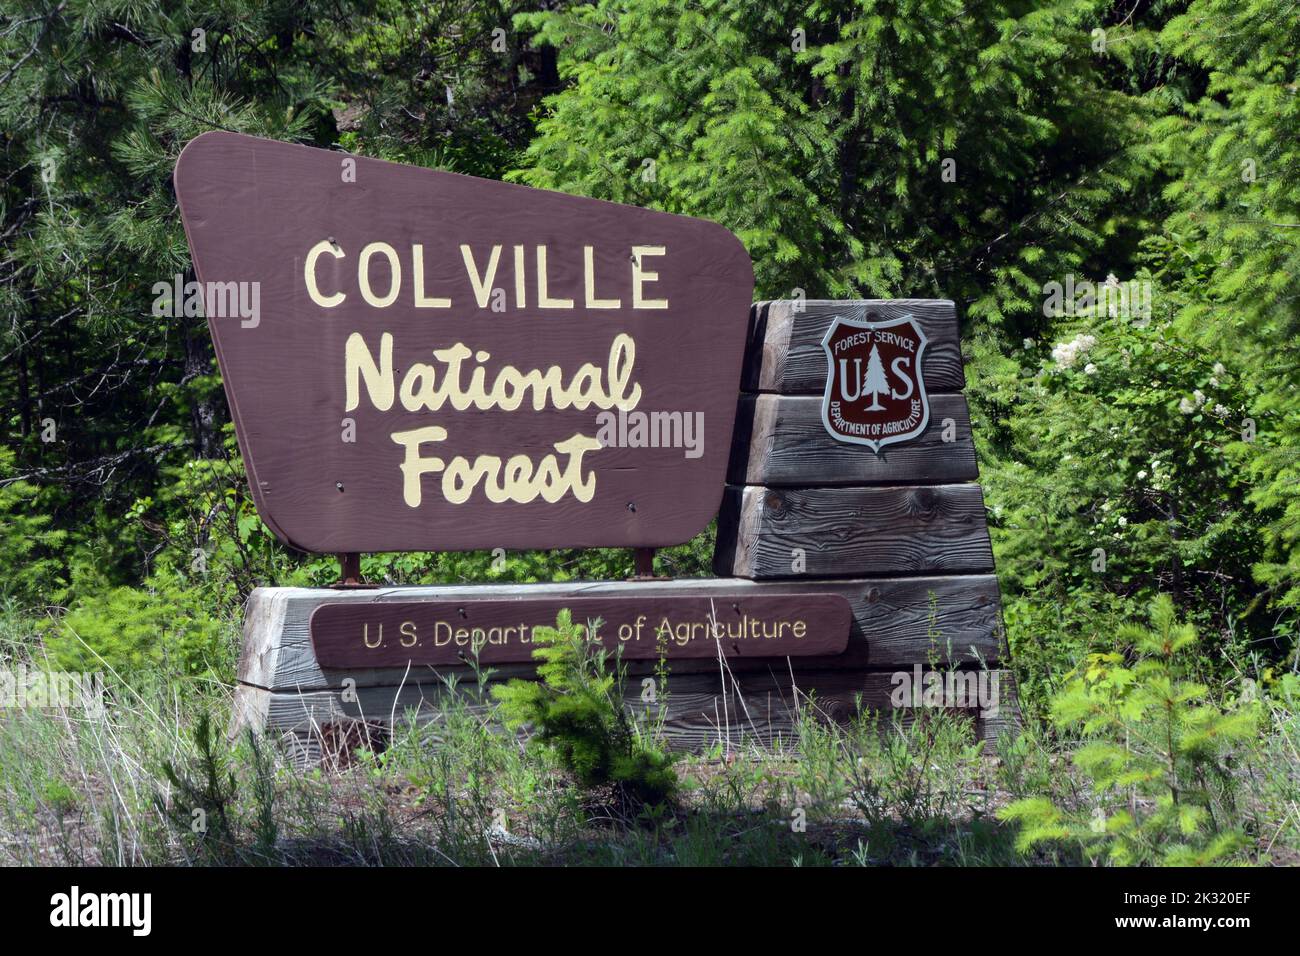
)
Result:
{"points": [[875, 392], [448, 363]]}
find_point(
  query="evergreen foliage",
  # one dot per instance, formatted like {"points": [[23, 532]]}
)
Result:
{"points": [[1155, 746], [576, 712]]}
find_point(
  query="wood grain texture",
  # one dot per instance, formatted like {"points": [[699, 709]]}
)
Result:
{"points": [[851, 532], [253, 210], [700, 710], [780, 440], [896, 622], [784, 353]]}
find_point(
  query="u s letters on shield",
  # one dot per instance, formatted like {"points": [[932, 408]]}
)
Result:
{"points": [[875, 393]]}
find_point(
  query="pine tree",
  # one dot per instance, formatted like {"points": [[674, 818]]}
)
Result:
{"points": [[826, 156], [1150, 732], [1230, 250], [874, 381], [96, 102]]}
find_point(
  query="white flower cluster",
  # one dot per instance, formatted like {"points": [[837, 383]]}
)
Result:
{"points": [[1159, 479], [1189, 405], [1065, 354]]}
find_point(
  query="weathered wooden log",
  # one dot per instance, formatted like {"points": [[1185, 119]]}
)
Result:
{"points": [[694, 710], [895, 622], [852, 532], [779, 440], [785, 355]]}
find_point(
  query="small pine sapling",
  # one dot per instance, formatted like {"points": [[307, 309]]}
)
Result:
{"points": [[1157, 751], [576, 712]]}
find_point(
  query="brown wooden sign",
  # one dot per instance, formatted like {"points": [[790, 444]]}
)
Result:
{"points": [[392, 634], [418, 360]]}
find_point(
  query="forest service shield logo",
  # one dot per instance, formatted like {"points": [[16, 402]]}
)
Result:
{"points": [[875, 394]]}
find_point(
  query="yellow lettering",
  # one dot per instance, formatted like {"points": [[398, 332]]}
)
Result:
{"points": [[640, 276], [379, 378], [309, 274], [363, 274], [544, 301], [417, 265], [413, 466], [516, 480], [521, 299], [589, 279], [482, 287]]}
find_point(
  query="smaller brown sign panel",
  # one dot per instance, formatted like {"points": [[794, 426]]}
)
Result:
{"points": [[393, 634], [875, 395]]}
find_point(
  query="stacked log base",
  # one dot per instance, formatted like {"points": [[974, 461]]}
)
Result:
{"points": [[282, 688], [802, 506]]}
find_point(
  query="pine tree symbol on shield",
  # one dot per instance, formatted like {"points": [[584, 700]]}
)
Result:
{"points": [[874, 382], [875, 392]]}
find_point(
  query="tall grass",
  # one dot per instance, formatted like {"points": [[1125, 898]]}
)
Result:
{"points": [[154, 779]]}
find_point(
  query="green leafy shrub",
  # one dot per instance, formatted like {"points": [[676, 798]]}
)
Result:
{"points": [[132, 630], [576, 712], [28, 540], [1156, 750], [1078, 546]]}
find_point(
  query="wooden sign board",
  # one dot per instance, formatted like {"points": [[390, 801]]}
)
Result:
{"points": [[438, 362], [395, 634]]}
